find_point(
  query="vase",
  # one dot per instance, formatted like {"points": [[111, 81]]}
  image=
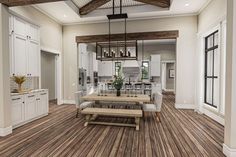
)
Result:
{"points": [[118, 92], [19, 88]]}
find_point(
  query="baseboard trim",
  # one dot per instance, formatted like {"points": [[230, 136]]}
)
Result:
{"points": [[68, 101], [229, 152], [185, 106], [5, 131], [214, 116]]}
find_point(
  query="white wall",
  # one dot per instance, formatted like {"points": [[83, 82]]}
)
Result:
{"points": [[50, 31], [210, 19], [186, 49], [167, 51], [5, 108]]}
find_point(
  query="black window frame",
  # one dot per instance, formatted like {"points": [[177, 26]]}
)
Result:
{"points": [[212, 76], [147, 69]]}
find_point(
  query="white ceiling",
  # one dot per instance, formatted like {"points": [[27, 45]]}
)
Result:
{"points": [[67, 13]]}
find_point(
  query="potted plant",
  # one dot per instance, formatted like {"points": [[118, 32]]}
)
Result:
{"points": [[19, 80], [118, 83]]}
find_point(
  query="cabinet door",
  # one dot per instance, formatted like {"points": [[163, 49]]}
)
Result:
{"points": [[100, 68], [95, 62], [155, 65], [17, 110], [107, 70], [42, 103], [30, 106], [11, 26], [33, 32], [11, 48], [19, 53], [33, 58], [20, 27]]}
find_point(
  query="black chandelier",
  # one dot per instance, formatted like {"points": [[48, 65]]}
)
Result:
{"points": [[117, 50]]}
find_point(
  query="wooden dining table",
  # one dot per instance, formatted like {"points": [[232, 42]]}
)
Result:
{"points": [[113, 98]]}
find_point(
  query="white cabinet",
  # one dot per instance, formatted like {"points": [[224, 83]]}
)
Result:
{"points": [[42, 103], [18, 109], [155, 65], [105, 68], [33, 58], [20, 55], [33, 32], [28, 107], [24, 48], [95, 62], [20, 27]]}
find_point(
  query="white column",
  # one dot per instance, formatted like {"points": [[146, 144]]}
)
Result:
{"points": [[229, 147], [5, 107]]}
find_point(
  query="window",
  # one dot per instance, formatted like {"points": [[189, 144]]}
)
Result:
{"points": [[117, 68], [145, 70], [212, 67]]}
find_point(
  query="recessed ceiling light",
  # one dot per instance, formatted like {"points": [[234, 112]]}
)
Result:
{"points": [[186, 4], [64, 15]]}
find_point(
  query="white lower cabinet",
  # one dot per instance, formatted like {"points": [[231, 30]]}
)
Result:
{"points": [[18, 109], [42, 103], [28, 107]]}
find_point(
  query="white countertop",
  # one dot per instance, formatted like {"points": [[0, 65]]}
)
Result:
{"points": [[29, 92]]}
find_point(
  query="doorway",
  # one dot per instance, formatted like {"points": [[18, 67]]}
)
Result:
{"points": [[168, 76], [48, 74]]}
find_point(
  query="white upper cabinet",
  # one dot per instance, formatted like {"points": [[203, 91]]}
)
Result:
{"points": [[20, 55], [33, 32], [155, 65], [24, 47], [20, 27], [95, 63], [105, 68], [33, 58]]}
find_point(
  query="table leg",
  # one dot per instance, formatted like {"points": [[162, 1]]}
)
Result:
{"points": [[137, 121], [87, 119]]}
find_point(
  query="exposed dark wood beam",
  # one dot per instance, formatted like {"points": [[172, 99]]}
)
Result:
{"points": [[130, 36], [158, 3], [12, 3], [91, 6]]}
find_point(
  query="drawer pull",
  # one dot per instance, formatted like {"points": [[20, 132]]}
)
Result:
{"points": [[31, 96], [37, 99], [44, 94], [16, 99]]}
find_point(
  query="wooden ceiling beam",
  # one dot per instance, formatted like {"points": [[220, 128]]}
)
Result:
{"points": [[91, 6], [158, 3], [12, 3], [130, 36]]}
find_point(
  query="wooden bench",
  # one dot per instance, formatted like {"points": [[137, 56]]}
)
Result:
{"points": [[90, 112]]}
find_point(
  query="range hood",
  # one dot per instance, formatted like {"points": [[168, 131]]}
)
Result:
{"points": [[131, 68]]}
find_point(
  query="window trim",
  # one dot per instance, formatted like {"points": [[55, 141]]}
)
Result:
{"points": [[206, 76]]}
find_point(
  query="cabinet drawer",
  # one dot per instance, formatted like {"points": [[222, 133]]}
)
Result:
{"points": [[17, 99]]}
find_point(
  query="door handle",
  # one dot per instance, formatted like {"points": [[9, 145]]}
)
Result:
{"points": [[31, 96]]}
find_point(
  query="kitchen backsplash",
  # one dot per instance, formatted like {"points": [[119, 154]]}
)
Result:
{"points": [[30, 83]]}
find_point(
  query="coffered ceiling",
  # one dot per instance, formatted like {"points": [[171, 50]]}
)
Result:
{"points": [[69, 12], [126, 3]]}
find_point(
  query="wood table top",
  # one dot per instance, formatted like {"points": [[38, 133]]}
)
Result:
{"points": [[114, 98]]}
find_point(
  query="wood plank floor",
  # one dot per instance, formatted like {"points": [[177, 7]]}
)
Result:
{"points": [[181, 133]]}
